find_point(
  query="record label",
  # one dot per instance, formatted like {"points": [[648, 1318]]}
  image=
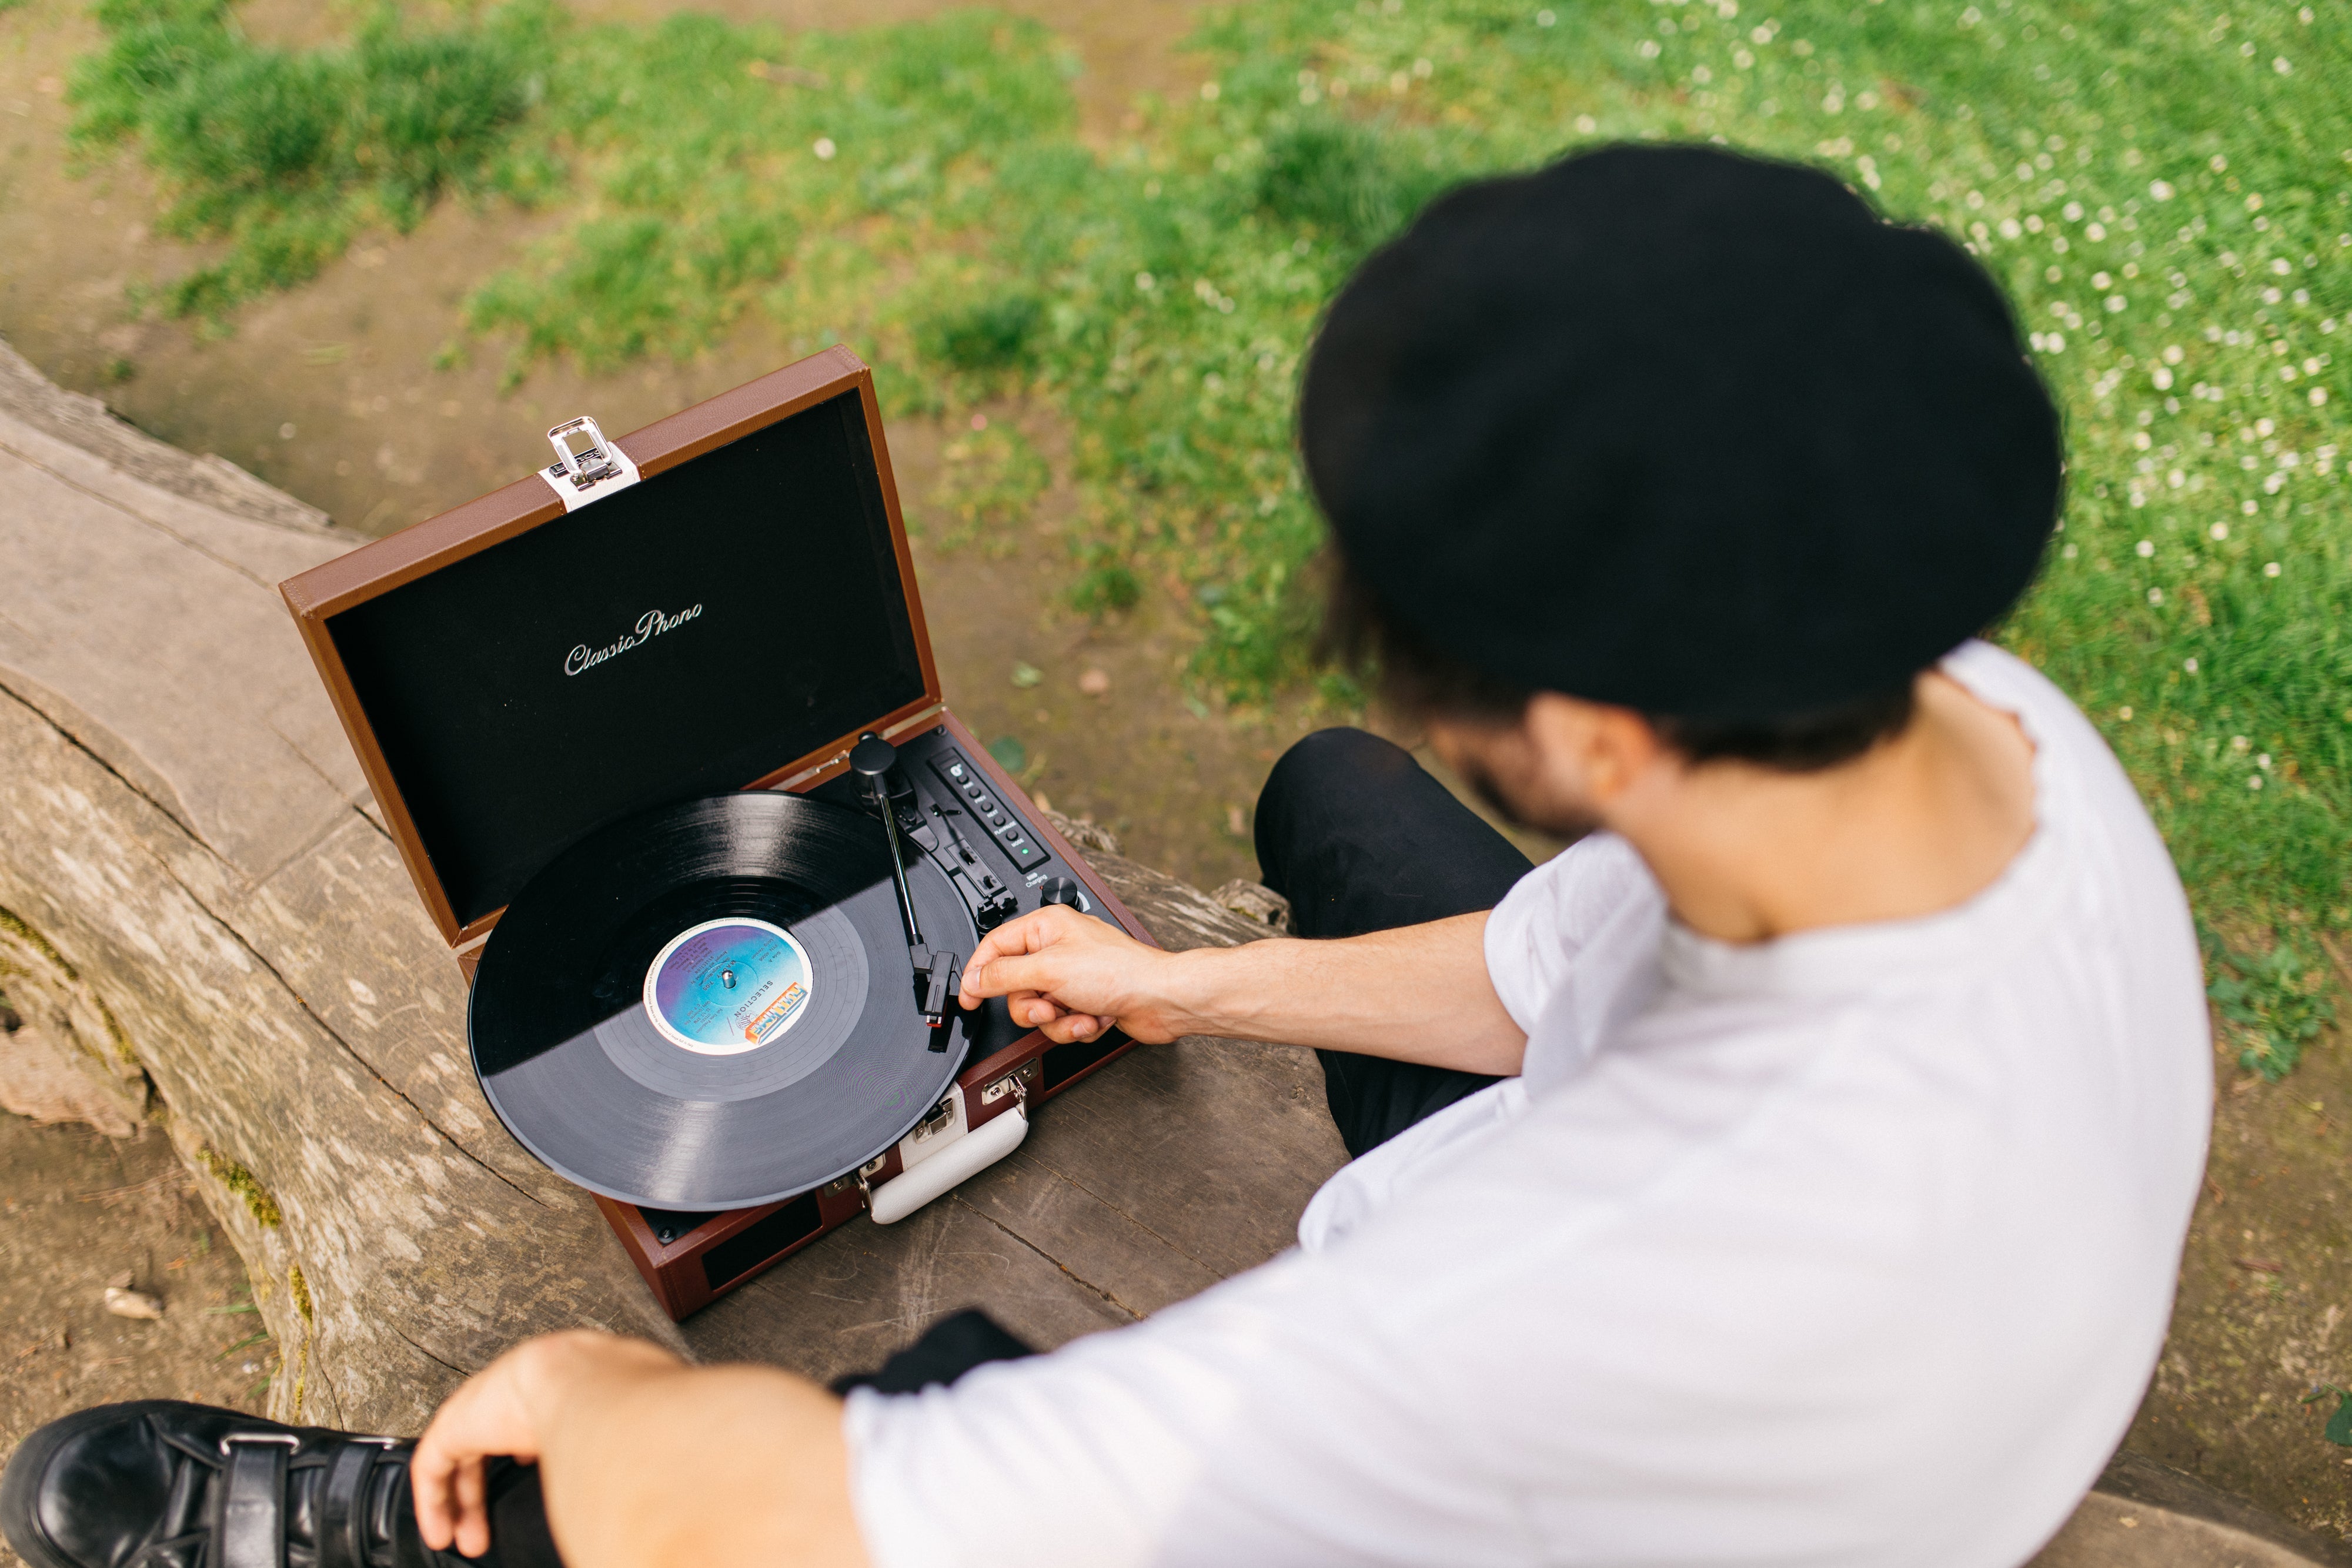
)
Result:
{"points": [[730, 985]]}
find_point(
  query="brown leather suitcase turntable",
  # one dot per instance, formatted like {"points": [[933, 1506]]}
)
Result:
{"points": [[720, 602]]}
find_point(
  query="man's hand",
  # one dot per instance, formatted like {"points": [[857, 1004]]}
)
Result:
{"points": [[499, 1410], [1074, 977], [627, 1437]]}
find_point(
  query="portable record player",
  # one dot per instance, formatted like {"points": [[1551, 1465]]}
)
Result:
{"points": [[658, 734]]}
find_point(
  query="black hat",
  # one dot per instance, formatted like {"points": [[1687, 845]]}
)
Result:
{"points": [[1681, 430]]}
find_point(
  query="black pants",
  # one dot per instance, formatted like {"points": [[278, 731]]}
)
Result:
{"points": [[1359, 838]]}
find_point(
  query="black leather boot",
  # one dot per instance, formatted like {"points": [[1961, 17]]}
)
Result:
{"points": [[160, 1484]]}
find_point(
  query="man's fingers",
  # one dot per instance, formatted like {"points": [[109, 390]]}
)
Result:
{"points": [[428, 1478], [1073, 1027], [1013, 972], [1029, 1007], [473, 1511], [1032, 933]]}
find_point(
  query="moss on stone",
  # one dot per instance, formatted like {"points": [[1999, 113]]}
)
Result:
{"points": [[233, 1174]]}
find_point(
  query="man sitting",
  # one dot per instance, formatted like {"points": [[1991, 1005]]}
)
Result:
{"points": [[1793, 1171]]}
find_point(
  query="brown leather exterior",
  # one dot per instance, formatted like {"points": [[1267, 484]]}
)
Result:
{"points": [[378, 567]]}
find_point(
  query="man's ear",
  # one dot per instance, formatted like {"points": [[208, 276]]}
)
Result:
{"points": [[1606, 748]]}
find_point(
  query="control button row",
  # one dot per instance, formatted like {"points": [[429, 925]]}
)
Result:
{"points": [[985, 808]]}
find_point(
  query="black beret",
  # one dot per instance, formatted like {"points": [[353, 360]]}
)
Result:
{"points": [[1679, 429]]}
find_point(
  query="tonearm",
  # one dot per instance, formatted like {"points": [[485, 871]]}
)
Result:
{"points": [[938, 975]]}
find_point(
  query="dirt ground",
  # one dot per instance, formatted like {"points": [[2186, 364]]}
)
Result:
{"points": [[329, 392], [2265, 1288], [83, 1210]]}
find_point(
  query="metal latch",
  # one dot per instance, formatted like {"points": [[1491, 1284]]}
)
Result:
{"points": [[588, 471], [1015, 1083], [942, 1116], [861, 1176]]}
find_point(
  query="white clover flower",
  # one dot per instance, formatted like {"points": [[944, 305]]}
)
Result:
{"points": [[2250, 507], [1211, 91], [2101, 281], [2220, 531], [2161, 190], [2145, 548], [2317, 396], [824, 149], [2172, 354], [2156, 596], [2189, 666], [2096, 231], [1145, 283], [2124, 713], [2270, 568], [2163, 379], [1544, 19], [2254, 781]]}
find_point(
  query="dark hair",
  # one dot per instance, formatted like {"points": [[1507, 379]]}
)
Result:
{"points": [[1417, 677]]}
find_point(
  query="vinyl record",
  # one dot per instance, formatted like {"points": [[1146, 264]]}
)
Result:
{"points": [[710, 1004]]}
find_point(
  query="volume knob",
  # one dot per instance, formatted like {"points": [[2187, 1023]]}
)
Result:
{"points": [[1058, 890]]}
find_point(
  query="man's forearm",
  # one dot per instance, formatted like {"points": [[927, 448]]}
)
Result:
{"points": [[1418, 994], [630, 1431]]}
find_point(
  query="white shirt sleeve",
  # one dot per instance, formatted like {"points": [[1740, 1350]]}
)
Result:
{"points": [[1536, 935], [1268, 1422]]}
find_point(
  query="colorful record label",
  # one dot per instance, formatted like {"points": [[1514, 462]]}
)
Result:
{"points": [[726, 987]]}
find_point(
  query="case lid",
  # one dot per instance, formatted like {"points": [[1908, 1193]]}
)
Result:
{"points": [[514, 675]]}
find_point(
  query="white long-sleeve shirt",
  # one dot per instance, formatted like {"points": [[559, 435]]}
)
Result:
{"points": [[1852, 1247]]}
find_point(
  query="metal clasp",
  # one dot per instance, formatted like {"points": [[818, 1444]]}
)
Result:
{"points": [[287, 1438], [588, 471], [1016, 1084], [942, 1117], [866, 1173]]}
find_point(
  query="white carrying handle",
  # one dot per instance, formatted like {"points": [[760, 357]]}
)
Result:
{"points": [[975, 1152]]}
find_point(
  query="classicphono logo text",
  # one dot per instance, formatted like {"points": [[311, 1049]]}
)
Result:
{"points": [[650, 625]]}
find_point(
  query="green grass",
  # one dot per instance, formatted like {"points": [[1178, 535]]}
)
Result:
{"points": [[289, 154], [2164, 190]]}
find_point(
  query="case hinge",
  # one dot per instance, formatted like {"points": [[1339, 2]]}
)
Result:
{"points": [[587, 471]]}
